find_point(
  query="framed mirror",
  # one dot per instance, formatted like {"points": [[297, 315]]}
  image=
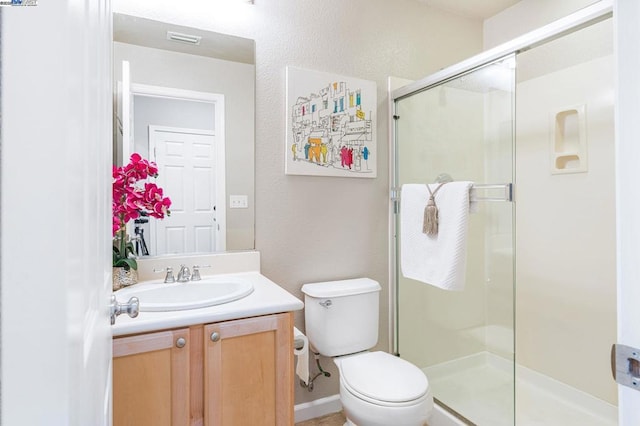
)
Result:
{"points": [[185, 99]]}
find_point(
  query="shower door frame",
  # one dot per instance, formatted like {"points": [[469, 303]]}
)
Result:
{"points": [[583, 18]]}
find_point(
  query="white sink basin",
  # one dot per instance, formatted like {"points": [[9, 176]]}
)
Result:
{"points": [[159, 297]]}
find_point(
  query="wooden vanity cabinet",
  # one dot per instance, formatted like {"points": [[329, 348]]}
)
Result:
{"points": [[248, 368], [237, 372], [151, 379]]}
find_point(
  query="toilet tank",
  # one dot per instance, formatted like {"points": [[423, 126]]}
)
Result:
{"points": [[341, 317]]}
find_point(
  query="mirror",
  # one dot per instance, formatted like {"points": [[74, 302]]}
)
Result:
{"points": [[185, 98]]}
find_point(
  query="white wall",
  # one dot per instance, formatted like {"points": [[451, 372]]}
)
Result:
{"points": [[525, 16], [565, 233], [308, 228]]}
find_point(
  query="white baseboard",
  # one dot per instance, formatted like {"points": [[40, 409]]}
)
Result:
{"points": [[317, 408]]}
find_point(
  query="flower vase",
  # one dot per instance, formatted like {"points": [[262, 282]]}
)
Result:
{"points": [[123, 278]]}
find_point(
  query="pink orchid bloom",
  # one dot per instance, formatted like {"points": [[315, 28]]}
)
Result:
{"points": [[130, 200]]}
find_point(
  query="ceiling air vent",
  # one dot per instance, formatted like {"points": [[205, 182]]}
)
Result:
{"points": [[183, 38]]}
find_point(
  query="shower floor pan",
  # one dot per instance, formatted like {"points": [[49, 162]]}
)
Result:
{"points": [[480, 388]]}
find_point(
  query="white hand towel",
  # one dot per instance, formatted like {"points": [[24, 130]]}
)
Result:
{"points": [[439, 260], [302, 356]]}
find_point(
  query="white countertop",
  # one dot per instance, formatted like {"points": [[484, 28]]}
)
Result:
{"points": [[267, 298]]}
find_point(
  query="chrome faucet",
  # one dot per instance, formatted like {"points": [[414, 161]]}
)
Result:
{"points": [[195, 275], [183, 274], [169, 278]]}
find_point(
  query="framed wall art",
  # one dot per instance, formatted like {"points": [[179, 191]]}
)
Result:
{"points": [[331, 125]]}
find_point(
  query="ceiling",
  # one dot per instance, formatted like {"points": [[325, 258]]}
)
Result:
{"points": [[479, 9]]}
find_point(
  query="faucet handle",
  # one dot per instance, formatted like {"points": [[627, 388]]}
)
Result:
{"points": [[195, 274], [169, 278]]}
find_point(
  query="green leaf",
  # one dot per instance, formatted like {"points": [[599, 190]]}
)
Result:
{"points": [[129, 249], [128, 263], [123, 260]]}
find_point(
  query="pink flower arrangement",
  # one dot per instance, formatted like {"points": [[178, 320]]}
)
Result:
{"points": [[132, 199]]}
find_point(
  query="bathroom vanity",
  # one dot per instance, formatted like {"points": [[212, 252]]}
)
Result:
{"points": [[220, 365], [228, 372]]}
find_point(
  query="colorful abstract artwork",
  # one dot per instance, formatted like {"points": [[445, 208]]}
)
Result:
{"points": [[331, 125]]}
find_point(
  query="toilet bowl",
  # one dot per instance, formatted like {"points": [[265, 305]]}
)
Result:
{"points": [[376, 388], [379, 389]]}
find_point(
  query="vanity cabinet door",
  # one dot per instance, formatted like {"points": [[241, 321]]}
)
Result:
{"points": [[151, 379], [248, 370]]}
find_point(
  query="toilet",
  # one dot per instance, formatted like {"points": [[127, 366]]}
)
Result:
{"points": [[376, 388]]}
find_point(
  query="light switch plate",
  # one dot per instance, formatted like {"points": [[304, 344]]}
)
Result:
{"points": [[238, 202]]}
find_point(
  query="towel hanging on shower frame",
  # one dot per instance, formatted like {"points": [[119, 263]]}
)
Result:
{"points": [[505, 195]]}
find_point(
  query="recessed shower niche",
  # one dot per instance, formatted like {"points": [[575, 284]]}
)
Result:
{"points": [[568, 140]]}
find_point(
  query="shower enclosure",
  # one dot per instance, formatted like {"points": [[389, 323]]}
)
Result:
{"points": [[527, 341]]}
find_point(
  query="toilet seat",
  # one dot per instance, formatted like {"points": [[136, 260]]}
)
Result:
{"points": [[383, 379]]}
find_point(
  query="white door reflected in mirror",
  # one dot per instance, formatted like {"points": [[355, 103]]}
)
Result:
{"points": [[190, 174]]}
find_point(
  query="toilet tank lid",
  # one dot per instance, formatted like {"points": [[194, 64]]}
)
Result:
{"points": [[341, 288]]}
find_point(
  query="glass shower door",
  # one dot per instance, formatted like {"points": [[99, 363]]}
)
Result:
{"points": [[464, 340], [566, 230]]}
